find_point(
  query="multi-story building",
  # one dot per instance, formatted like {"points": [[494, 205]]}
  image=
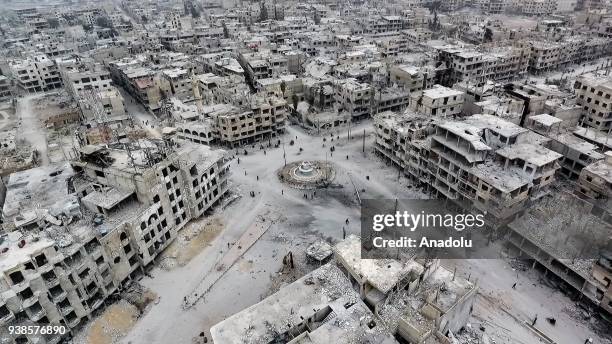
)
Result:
{"points": [[535, 7], [595, 180], [264, 119], [577, 153], [35, 74], [392, 45], [584, 267], [417, 35], [385, 24], [594, 94], [484, 162], [412, 78], [452, 5], [140, 82], [258, 117], [177, 83], [263, 65], [354, 97], [547, 56], [407, 282], [534, 96], [6, 92], [222, 64], [492, 6], [437, 101], [214, 89], [99, 222], [567, 5], [390, 99], [497, 64], [83, 78]]}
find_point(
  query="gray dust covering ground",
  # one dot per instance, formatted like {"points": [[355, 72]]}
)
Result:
{"points": [[305, 216]]}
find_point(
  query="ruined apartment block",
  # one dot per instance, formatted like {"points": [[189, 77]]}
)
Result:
{"points": [[420, 301], [354, 97], [96, 223], [595, 180], [437, 101], [177, 83], [35, 74], [489, 163], [139, 81], [577, 153], [594, 94], [555, 250], [355, 300], [6, 94], [263, 118], [547, 56]]}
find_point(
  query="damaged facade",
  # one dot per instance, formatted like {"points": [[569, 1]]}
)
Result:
{"points": [[353, 300], [77, 233], [494, 166]]}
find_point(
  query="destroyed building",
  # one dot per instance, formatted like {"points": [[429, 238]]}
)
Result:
{"points": [[594, 94], [595, 181], [493, 165], [76, 233], [320, 307], [260, 119], [358, 300], [562, 246]]}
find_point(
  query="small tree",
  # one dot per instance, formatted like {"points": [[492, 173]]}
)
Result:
{"points": [[321, 97], [144, 19], [488, 35], [263, 12], [283, 87], [225, 31], [195, 13], [294, 99]]}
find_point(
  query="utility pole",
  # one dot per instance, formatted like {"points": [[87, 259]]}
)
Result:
{"points": [[349, 127], [325, 170], [363, 145]]}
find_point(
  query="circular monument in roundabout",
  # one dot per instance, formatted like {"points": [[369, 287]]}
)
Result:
{"points": [[307, 174]]}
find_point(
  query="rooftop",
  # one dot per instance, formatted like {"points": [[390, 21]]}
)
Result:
{"points": [[439, 91], [602, 168], [496, 124], [546, 119], [552, 225], [320, 308], [503, 179], [531, 153], [382, 274], [468, 132], [39, 189]]}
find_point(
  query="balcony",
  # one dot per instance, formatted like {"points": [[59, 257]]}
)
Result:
{"points": [[72, 323], [26, 303], [54, 339], [37, 314], [7, 318], [65, 310], [57, 296]]}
